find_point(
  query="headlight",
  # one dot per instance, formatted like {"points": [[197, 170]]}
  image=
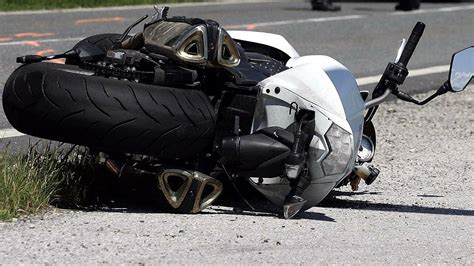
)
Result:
{"points": [[340, 150]]}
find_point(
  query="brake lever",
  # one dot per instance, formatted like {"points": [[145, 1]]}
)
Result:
{"points": [[396, 73], [29, 59]]}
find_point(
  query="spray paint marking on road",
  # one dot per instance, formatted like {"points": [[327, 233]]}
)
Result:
{"points": [[24, 35], [44, 52], [60, 61], [42, 41], [11, 133], [294, 21], [5, 39], [32, 43], [131, 7], [99, 20], [251, 27], [7, 42], [33, 34]]}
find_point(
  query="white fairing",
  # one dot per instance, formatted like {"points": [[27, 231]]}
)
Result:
{"points": [[323, 85], [268, 39]]}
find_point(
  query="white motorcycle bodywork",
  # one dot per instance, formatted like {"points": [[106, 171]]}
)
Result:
{"points": [[320, 84]]}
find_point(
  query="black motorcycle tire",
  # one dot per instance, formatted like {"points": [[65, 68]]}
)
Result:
{"points": [[66, 103]]}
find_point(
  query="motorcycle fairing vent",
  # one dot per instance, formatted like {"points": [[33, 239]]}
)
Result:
{"points": [[192, 41]]}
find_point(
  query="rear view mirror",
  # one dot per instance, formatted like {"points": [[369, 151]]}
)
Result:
{"points": [[462, 69]]}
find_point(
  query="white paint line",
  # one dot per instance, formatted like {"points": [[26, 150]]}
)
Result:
{"points": [[10, 133], [25, 42], [295, 21], [413, 73], [242, 26], [134, 7], [435, 10]]}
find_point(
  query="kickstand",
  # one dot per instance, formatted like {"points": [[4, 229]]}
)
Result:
{"points": [[238, 191]]}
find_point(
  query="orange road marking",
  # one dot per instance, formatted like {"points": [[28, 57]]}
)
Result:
{"points": [[32, 43], [43, 52], [58, 61], [251, 27], [97, 20], [33, 34], [5, 39]]}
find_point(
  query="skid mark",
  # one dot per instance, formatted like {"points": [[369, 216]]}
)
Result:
{"points": [[99, 20], [33, 34]]}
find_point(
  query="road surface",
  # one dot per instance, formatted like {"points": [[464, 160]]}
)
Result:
{"points": [[420, 210]]}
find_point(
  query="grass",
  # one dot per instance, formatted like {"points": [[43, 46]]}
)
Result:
{"points": [[30, 183], [67, 177], [10, 5]]}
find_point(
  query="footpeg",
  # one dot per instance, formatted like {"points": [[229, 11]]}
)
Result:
{"points": [[189, 191], [367, 172], [293, 207], [374, 173]]}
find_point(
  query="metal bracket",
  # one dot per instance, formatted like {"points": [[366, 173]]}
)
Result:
{"points": [[160, 13]]}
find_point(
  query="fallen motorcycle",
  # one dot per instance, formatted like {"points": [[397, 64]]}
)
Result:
{"points": [[194, 104]]}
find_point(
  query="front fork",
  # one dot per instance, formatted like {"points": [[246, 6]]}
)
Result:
{"points": [[296, 166], [363, 170]]}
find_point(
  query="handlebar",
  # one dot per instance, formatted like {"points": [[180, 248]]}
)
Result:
{"points": [[395, 73], [411, 43]]}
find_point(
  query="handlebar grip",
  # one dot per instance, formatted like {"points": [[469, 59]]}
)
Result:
{"points": [[411, 43], [28, 59]]}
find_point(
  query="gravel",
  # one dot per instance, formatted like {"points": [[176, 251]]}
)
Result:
{"points": [[420, 210]]}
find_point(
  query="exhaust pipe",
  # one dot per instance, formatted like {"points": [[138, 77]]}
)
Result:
{"points": [[189, 191], [186, 191]]}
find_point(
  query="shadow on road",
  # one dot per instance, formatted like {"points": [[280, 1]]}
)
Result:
{"points": [[141, 195], [333, 201], [308, 215]]}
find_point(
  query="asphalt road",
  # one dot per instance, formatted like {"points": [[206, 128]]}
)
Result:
{"points": [[419, 212], [364, 37]]}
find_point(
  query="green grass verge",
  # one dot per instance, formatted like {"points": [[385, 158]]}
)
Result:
{"points": [[11, 5], [29, 183]]}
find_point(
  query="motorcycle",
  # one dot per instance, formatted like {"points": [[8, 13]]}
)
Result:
{"points": [[195, 105]]}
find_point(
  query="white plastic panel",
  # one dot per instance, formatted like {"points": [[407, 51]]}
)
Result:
{"points": [[321, 84], [269, 39]]}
